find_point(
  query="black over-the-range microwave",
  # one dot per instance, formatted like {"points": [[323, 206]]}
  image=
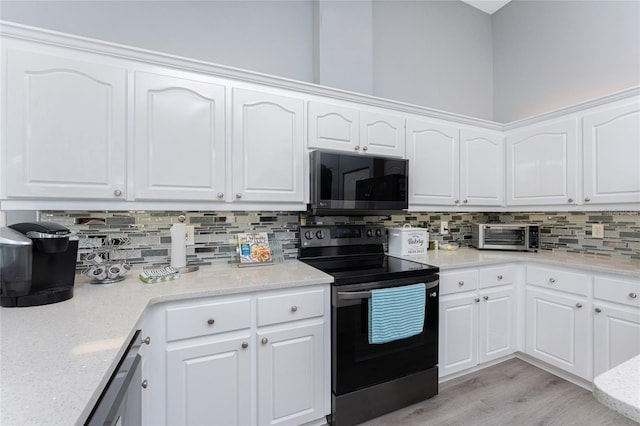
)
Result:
{"points": [[357, 184]]}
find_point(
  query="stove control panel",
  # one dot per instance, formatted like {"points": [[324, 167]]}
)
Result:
{"points": [[340, 235]]}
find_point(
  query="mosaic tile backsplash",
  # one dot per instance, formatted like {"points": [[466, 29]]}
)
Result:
{"points": [[148, 241]]}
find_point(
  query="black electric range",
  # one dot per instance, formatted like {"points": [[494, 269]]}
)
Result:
{"points": [[354, 254]]}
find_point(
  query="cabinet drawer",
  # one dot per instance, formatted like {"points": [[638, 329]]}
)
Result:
{"points": [[457, 282], [290, 307], [499, 275], [617, 290], [571, 282], [208, 318]]}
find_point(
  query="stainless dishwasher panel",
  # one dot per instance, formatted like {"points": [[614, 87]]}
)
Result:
{"points": [[121, 401]]}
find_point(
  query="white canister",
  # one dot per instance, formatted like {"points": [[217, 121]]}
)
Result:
{"points": [[407, 241]]}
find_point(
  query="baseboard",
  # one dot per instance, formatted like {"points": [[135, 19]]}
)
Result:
{"points": [[528, 359]]}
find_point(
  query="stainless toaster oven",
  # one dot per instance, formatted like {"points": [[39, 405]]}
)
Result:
{"points": [[497, 236]]}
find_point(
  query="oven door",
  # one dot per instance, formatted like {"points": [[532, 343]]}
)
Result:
{"points": [[356, 363]]}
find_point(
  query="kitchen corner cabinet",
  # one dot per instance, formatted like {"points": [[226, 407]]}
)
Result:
{"points": [[65, 127], [477, 317], [259, 359], [542, 164], [179, 138], [267, 147], [454, 167], [611, 137], [481, 168], [557, 319], [341, 128], [616, 322], [433, 150]]}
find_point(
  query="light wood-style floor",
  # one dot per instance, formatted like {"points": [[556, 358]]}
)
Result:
{"points": [[510, 393]]}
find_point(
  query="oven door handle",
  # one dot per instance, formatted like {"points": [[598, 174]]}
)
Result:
{"points": [[354, 295]]}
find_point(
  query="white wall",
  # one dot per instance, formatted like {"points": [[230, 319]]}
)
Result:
{"points": [[272, 37], [551, 54], [433, 53]]}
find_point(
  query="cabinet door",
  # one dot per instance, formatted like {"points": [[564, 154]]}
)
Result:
{"points": [[381, 134], [541, 164], [612, 155], [616, 336], [481, 168], [209, 383], [290, 375], [433, 151], [66, 135], [557, 331], [180, 138], [267, 147], [333, 127], [497, 322], [458, 336]]}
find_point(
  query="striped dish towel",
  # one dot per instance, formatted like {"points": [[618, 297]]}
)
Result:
{"points": [[396, 313]]}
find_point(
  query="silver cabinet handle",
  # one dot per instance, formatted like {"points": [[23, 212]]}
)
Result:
{"points": [[146, 341], [294, 308], [633, 295], [357, 147], [485, 297], [598, 310], [457, 201], [552, 280], [365, 148], [264, 340], [245, 345], [460, 283], [238, 195], [117, 193], [499, 277], [465, 201], [570, 200], [578, 305], [220, 195], [587, 199], [210, 321], [477, 299], [144, 384]]}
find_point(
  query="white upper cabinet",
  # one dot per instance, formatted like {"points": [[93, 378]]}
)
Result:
{"points": [[541, 164], [340, 128], [179, 138], [481, 168], [267, 147], [65, 127], [612, 155], [381, 134], [433, 153]]}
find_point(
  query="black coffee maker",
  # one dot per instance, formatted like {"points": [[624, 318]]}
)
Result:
{"points": [[41, 272]]}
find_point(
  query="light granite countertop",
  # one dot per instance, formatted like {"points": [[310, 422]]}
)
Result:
{"points": [[469, 257], [55, 359], [619, 388]]}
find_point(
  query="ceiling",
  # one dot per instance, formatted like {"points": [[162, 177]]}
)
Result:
{"points": [[487, 6]]}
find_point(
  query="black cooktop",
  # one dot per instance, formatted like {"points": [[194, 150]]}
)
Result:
{"points": [[354, 254], [369, 268]]}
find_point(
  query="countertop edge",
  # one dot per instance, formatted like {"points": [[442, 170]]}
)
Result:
{"points": [[616, 388]]}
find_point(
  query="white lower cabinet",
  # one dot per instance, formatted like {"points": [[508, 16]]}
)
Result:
{"points": [[290, 379], [557, 330], [477, 318], [209, 383], [256, 359], [616, 322]]}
